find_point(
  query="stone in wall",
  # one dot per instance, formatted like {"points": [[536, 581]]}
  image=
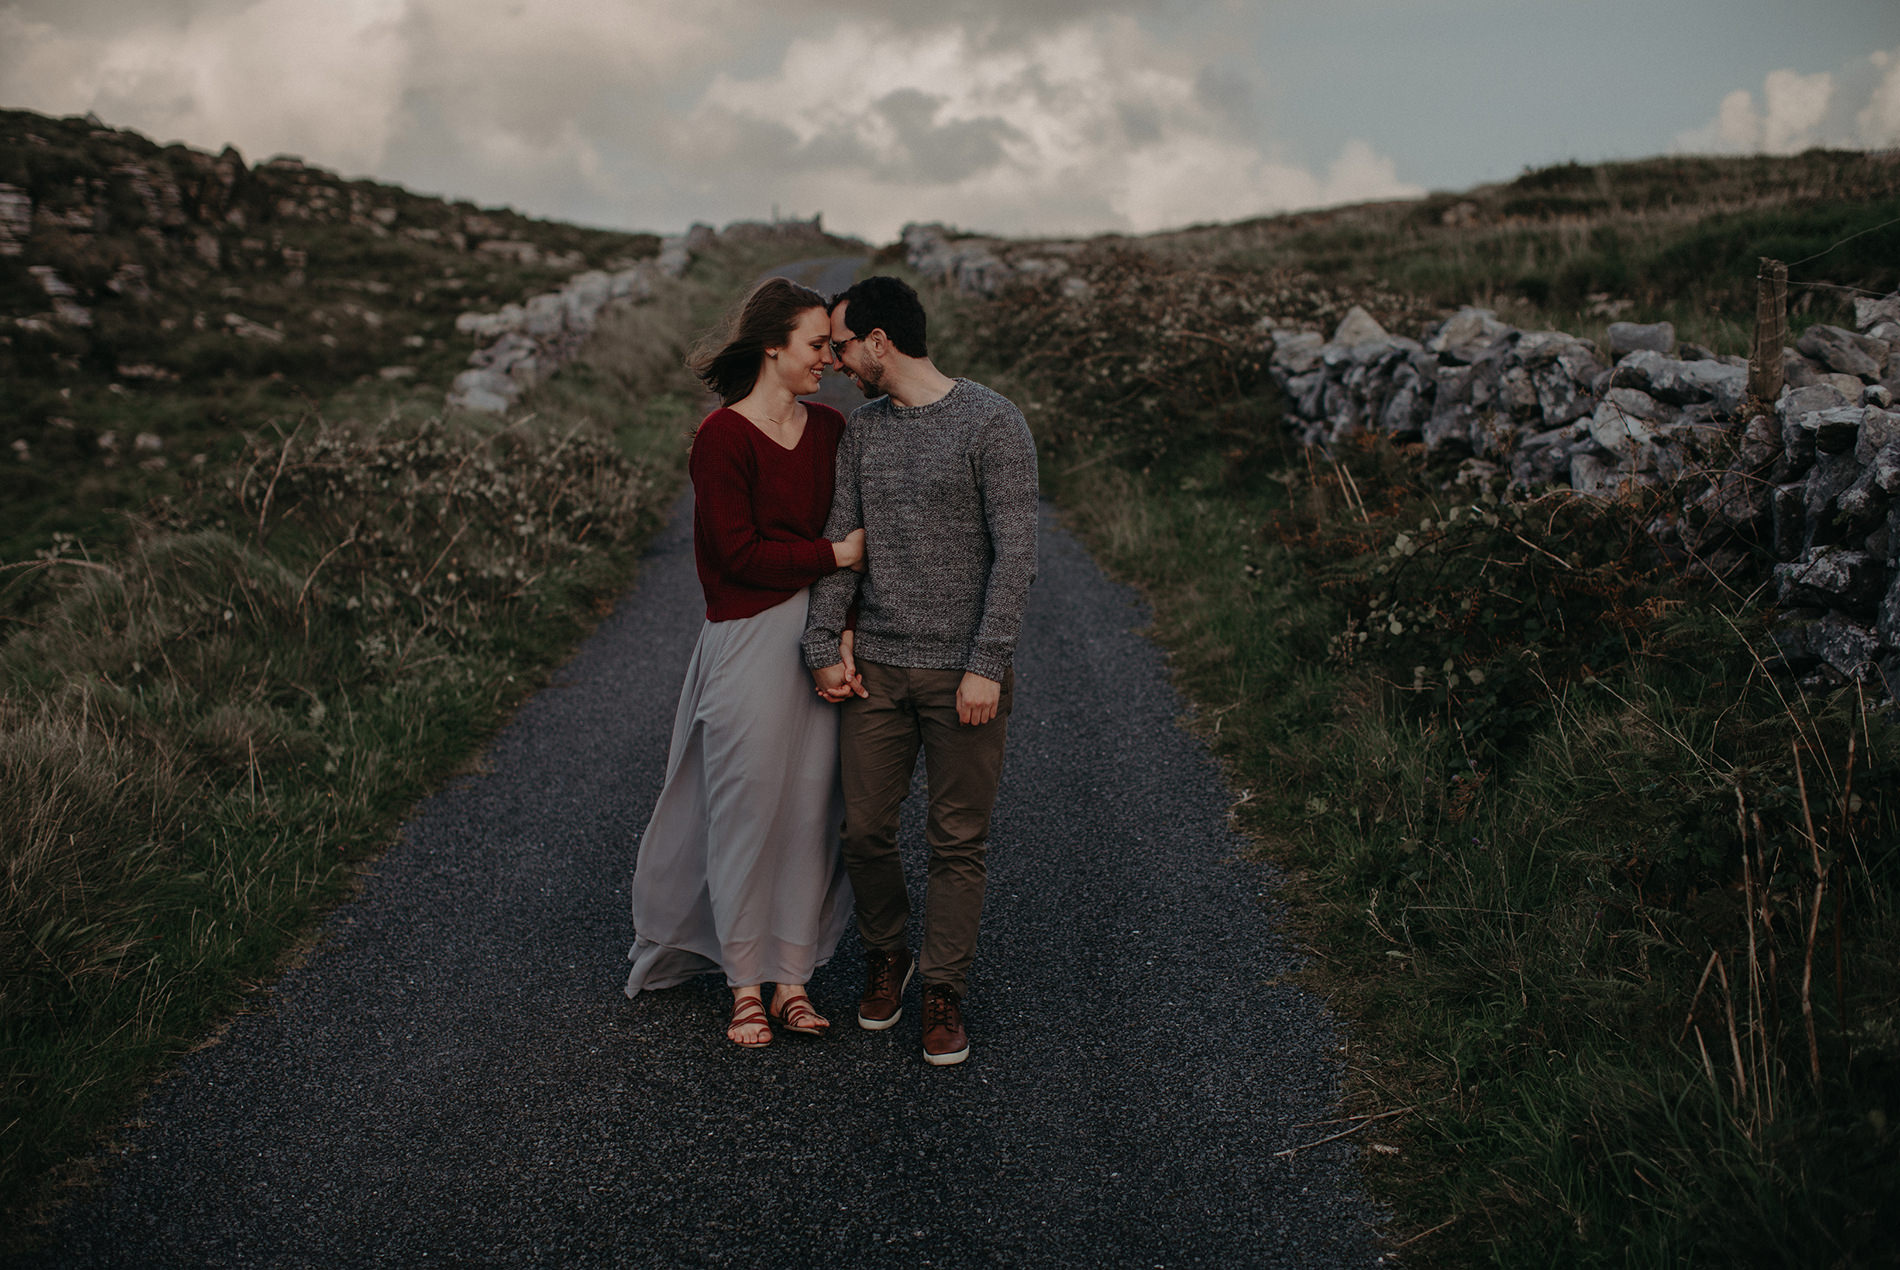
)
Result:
{"points": [[16, 220], [1630, 337], [1844, 352]]}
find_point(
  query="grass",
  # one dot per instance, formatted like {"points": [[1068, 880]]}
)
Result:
{"points": [[1574, 246], [1518, 922], [214, 714], [1610, 906]]}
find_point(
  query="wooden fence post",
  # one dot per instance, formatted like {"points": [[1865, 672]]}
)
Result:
{"points": [[1771, 332]]}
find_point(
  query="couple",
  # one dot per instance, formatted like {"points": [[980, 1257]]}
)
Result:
{"points": [[893, 557]]}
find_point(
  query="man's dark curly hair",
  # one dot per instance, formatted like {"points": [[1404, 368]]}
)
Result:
{"points": [[889, 304]]}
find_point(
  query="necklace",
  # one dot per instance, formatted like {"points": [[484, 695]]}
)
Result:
{"points": [[786, 422]]}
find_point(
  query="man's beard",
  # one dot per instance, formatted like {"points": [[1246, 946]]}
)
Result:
{"points": [[871, 381]]}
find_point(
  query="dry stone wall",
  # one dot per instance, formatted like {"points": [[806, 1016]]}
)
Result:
{"points": [[528, 342], [1812, 480], [525, 343]]}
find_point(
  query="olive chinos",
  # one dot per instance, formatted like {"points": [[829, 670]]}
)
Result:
{"points": [[879, 735]]}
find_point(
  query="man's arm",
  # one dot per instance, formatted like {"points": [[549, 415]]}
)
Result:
{"points": [[1007, 485], [832, 595]]}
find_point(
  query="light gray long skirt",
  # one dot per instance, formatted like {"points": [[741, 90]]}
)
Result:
{"points": [[739, 868]]}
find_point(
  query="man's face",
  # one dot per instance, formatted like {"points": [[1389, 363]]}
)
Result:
{"points": [[853, 357]]}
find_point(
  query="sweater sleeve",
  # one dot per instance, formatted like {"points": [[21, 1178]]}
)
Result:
{"points": [[833, 599], [1007, 480], [724, 489]]}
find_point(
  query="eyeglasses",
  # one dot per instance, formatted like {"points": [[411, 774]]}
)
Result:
{"points": [[837, 346]]}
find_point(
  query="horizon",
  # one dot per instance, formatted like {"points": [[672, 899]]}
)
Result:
{"points": [[1049, 120]]}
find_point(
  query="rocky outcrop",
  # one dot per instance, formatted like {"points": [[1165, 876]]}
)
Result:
{"points": [[985, 266], [528, 342]]}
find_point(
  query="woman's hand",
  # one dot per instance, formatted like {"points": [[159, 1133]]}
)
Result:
{"points": [[849, 551]]}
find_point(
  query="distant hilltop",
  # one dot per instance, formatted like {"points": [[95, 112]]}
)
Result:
{"points": [[105, 208]]}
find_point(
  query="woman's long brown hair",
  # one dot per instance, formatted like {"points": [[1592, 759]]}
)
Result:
{"points": [[728, 359]]}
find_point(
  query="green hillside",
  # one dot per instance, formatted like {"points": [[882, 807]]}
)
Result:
{"points": [[185, 296]]}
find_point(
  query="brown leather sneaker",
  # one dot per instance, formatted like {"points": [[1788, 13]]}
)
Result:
{"points": [[883, 1000], [945, 1041]]}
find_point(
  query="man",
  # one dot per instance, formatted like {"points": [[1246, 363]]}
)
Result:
{"points": [[941, 475]]}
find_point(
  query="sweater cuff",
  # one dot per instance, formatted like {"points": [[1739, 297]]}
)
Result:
{"points": [[991, 663], [821, 649]]}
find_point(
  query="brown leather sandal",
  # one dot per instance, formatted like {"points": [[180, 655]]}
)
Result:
{"points": [[794, 1012], [748, 1012]]}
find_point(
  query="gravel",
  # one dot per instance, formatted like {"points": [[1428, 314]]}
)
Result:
{"points": [[453, 1074]]}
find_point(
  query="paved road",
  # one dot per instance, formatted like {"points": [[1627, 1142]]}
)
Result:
{"points": [[454, 1075]]}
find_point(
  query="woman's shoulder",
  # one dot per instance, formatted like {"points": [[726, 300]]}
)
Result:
{"points": [[827, 420], [723, 426]]}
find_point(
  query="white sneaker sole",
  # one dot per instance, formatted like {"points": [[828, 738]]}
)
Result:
{"points": [[878, 1025], [946, 1060]]}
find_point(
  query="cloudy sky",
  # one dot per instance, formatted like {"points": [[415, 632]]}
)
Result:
{"points": [[1015, 116]]}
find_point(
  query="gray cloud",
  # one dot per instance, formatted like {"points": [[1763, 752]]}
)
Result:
{"points": [[992, 21], [1027, 116], [1141, 122], [1226, 92], [105, 17], [940, 152]]}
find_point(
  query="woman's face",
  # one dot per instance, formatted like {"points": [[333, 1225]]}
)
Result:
{"points": [[802, 363]]}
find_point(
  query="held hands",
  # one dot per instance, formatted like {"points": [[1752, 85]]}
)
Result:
{"points": [[977, 699], [842, 681], [849, 551]]}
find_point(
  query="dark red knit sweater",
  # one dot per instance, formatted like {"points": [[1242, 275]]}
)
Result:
{"points": [[759, 510]]}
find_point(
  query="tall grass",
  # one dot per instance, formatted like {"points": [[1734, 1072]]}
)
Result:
{"points": [[1630, 963]]}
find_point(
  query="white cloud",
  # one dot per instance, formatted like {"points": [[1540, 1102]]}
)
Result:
{"points": [[1090, 126], [1879, 123], [1795, 111], [1796, 106]]}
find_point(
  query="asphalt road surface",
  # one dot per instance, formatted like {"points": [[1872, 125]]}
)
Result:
{"points": [[454, 1076]]}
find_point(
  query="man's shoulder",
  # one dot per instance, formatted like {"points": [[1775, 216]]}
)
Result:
{"points": [[981, 398], [871, 411]]}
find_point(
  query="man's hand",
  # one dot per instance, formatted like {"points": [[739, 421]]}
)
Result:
{"points": [[977, 699], [847, 640], [841, 681]]}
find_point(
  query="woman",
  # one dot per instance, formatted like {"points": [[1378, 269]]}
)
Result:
{"points": [[739, 868]]}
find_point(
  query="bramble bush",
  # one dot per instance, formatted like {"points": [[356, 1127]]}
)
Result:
{"points": [[1151, 360], [203, 732]]}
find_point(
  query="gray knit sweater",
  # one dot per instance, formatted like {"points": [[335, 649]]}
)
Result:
{"points": [[946, 494]]}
